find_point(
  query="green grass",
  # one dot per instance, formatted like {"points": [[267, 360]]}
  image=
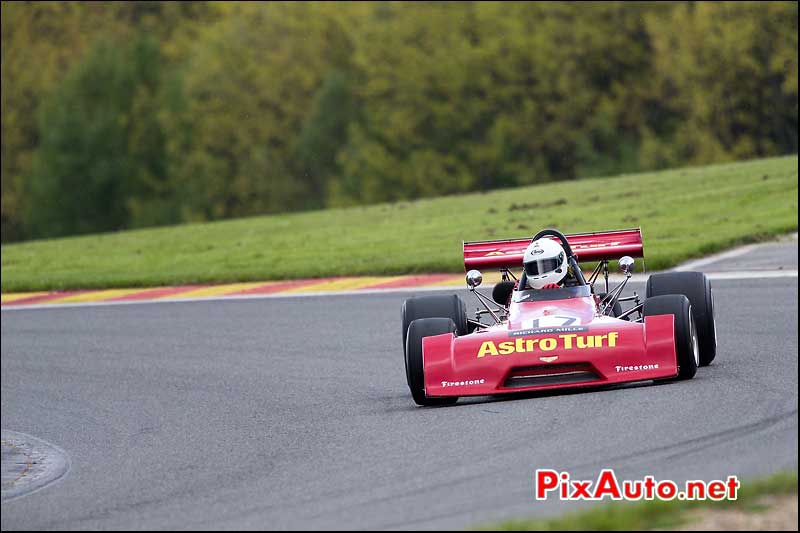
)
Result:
{"points": [[683, 213], [638, 516]]}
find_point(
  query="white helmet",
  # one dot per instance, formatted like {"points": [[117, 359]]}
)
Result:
{"points": [[545, 262]]}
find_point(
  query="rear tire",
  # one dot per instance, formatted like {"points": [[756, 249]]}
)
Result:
{"points": [[415, 371], [502, 291], [696, 287], [686, 340], [438, 306]]}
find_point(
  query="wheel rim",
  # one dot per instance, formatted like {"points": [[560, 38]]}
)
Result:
{"points": [[693, 334], [711, 292]]}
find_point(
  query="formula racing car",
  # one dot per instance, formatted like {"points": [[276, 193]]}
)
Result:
{"points": [[533, 335]]}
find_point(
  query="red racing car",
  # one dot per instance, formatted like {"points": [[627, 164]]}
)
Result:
{"points": [[564, 335]]}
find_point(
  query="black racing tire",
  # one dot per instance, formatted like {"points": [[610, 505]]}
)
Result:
{"points": [[616, 310], [415, 371], [437, 306], [502, 292], [696, 287], [686, 338]]}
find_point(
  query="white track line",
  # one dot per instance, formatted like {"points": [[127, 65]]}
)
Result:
{"points": [[699, 263], [636, 278]]}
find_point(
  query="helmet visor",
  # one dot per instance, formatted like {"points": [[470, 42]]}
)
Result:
{"points": [[541, 267]]}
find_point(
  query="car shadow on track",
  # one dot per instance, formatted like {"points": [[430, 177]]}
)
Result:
{"points": [[528, 395]]}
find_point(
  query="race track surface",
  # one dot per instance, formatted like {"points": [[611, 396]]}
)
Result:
{"points": [[294, 413]]}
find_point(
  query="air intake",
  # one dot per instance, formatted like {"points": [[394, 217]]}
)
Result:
{"points": [[542, 375]]}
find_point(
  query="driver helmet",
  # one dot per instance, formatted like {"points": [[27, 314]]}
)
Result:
{"points": [[545, 263]]}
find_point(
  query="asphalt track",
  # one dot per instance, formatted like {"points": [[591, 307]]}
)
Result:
{"points": [[290, 413]]}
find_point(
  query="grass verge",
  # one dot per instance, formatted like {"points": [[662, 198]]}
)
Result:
{"points": [[644, 516], [683, 213]]}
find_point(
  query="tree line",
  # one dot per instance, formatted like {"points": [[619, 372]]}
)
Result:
{"points": [[126, 115]]}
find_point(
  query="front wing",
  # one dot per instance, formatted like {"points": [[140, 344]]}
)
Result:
{"points": [[492, 362]]}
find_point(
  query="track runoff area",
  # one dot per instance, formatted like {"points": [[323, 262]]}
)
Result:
{"points": [[756, 261]]}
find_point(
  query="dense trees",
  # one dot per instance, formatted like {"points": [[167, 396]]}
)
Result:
{"points": [[100, 160], [121, 115]]}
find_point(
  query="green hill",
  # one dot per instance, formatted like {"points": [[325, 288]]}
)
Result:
{"points": [[683, 213]]}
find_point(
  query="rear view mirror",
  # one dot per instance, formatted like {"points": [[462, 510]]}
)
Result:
{"points": [[474, 278], [626, 264]]}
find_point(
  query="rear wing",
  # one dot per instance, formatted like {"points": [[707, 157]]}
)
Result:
{"points": [[598, 246]]}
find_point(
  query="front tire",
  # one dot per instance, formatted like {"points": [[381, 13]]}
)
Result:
{"points": [[415, 371], [687, 346], [696, 287]]}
